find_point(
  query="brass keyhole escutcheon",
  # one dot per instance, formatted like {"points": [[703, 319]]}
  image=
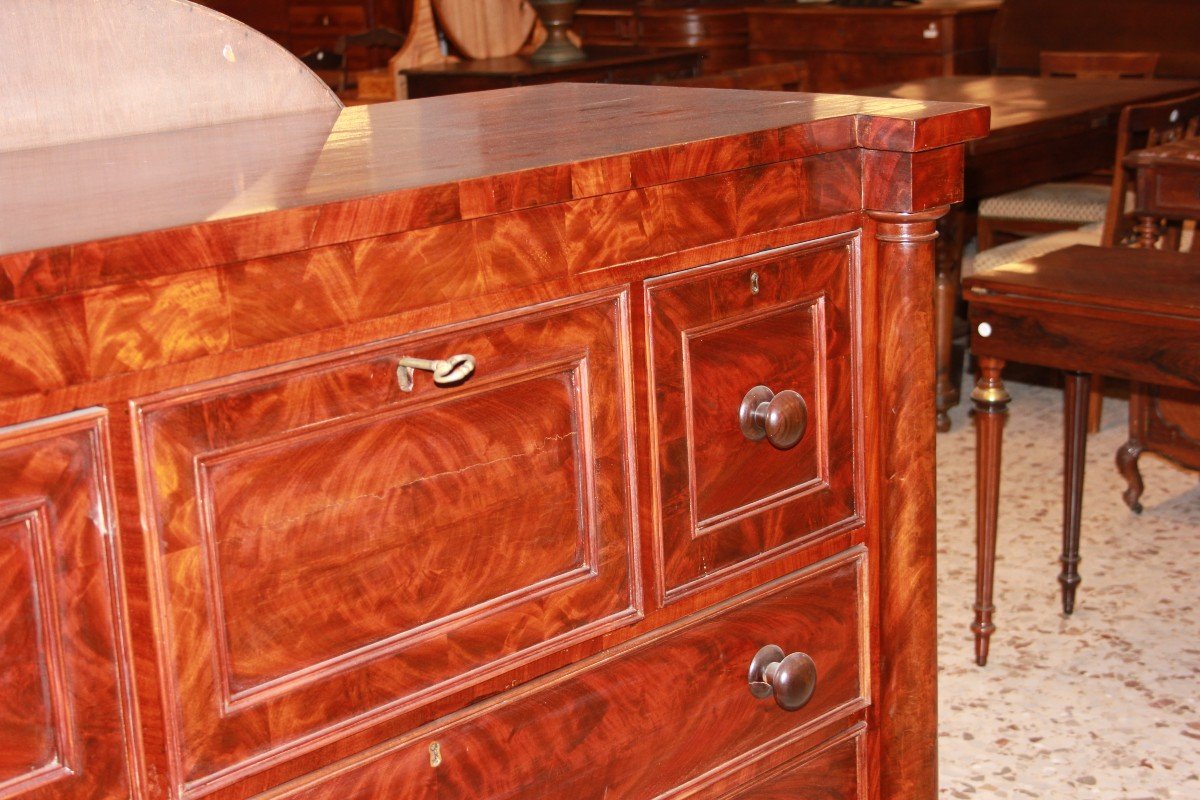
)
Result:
{"points": [[781, 418], [753, 283]]}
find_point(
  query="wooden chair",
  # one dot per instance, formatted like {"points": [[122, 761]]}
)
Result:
{"points": [[1059, 205], [1073, 64], [380, 43], [781, 76]]}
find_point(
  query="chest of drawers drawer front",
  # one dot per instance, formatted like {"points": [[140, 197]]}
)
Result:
{"points": [[331, 549], [62, 733], [670, 715], [786, 322], [830, 772]]}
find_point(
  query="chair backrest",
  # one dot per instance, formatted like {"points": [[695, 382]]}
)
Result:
{"points": [[1079, 64], [785, 76], [1145, 125], [380, 39]]}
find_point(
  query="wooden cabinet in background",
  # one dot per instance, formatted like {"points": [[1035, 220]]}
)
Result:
{"points": [[303, 26], [420, 450], [849, 48]]}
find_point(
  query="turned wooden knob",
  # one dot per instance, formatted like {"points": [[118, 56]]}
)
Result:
{"points": [[791, 679], [779, 418]]}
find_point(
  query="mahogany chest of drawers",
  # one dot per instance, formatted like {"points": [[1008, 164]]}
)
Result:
{"points": [[259, 542]]}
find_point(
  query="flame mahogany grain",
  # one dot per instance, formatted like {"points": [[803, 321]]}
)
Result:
{"points": [[325, 574]]}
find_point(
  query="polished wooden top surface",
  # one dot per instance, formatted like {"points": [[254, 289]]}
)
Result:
{"points": [[119, 187], [1018, 100], [1181, 154], [1129, 279]]}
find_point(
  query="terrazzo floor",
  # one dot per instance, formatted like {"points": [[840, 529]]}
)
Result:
{"points": [[1105, 703]]}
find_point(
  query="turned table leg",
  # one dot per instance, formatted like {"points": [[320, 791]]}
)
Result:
{"points": [[991, 406], [1075, 394]]}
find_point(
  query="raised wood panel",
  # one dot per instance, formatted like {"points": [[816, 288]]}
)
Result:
{"points": [[726, 502], [668, 715], [834, 771], [63, 703], [330, 550]]}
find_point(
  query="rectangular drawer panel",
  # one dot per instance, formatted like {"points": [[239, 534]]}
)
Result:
{"points": [[667, 715], [333, 549], [62, 710], [871, 33], [327, 19], [783, 321], [830, 772]]}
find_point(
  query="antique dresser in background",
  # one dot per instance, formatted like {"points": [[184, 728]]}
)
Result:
{"points": [[572, 441]]}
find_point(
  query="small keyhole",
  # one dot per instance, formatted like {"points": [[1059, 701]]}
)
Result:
{"points": [[753, 283], [435, 754]]}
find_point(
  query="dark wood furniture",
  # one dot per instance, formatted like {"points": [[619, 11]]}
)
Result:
{"points": [[849, 48], [253, 548], [1042, 129], [786, 76], [717, 28], [1027, 28], [1164, 420], [1121, 312], [1082, 64], [303, 26], [602, 65]]}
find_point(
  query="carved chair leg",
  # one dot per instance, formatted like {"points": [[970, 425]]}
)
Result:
{"points": [[991, 407], [1128, 453], [1075, 395], [1127, 465]]}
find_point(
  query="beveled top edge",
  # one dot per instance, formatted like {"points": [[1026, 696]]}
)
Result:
{"points": [[138, 184]]}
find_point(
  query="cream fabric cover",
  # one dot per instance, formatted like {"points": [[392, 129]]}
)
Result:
{"points": [[1054, 202], [1034, 246]]}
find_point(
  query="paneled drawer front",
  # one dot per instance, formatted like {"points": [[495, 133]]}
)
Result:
{"points": [[785, 321], [321, 19], [830, 772], [670, 715], [62, 733], [331, 550], [873, 33]]}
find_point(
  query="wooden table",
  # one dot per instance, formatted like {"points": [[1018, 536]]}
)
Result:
{"points": [[1162, 420], [603, 65], [1121, 312], [1042, 129]]}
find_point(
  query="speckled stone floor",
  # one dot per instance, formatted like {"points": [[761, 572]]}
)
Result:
{"points": [[1105, 703]]}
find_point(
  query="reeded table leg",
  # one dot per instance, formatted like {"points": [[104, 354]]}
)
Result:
{"points": [[1075, 396], [991, 406], [946, 291]]}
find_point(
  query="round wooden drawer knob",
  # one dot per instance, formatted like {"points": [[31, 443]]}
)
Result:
{"points": [[791, 679], [779, 418]]}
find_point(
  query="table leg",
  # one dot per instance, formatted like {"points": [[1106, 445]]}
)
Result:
{"points": [[991, 406], [1075, 397], [947, 288]]}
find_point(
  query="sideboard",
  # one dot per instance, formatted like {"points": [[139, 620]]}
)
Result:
{"points": [[477, 446]]}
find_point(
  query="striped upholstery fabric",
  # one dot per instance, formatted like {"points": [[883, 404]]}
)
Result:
{"points": [[1054, 202], [1034, 246]]}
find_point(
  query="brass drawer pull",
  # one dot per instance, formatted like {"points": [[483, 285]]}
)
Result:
{"points": [[449, 370], [780, 418], [791, 678]]}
